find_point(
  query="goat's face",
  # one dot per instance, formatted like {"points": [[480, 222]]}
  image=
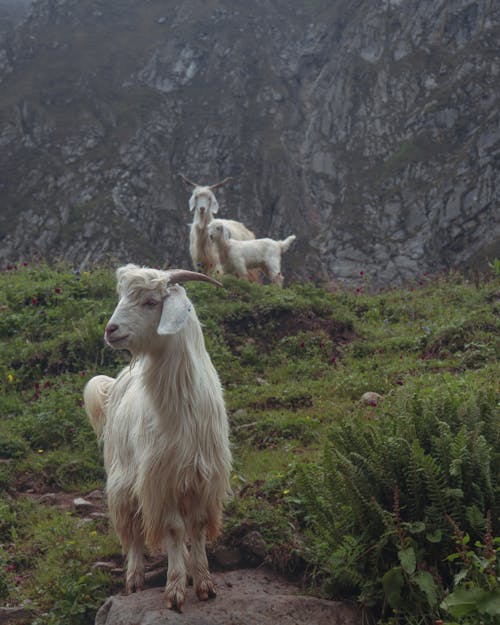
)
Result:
{"points": [[148, 306], [204, 204], [151, 304], [217, 232], [133, 324]]}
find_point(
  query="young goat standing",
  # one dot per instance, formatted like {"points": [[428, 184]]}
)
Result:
{"points": [[238, 257], [165, 430]]}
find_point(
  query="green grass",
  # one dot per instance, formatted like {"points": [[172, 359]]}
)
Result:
{"points": [[294, 364]]}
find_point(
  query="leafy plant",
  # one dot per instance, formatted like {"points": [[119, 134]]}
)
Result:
{"points": [[76, 596], [475, 599], [495, 266], [378, 508]]}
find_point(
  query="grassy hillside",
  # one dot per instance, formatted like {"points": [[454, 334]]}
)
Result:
{"points": [[392, 501]]}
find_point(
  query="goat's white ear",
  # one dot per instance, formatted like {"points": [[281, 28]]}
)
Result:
{"points": [[191, 203], [214, 206], [175, 312]]}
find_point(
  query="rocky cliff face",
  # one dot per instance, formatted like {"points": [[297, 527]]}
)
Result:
{"points": [[12, 12], [371, 130]]}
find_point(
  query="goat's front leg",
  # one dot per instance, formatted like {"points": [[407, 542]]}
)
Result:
{"points": [[128, 525], [198, 565], [273, 270], [175, 590], [135, 566], [277, 279]]}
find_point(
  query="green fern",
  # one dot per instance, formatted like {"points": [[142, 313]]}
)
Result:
{"points": [[439, 444]]}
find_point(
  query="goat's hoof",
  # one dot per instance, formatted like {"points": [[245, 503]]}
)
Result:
{"points": [[174, 598], [205, 590], [134, 583], [175, 603]]}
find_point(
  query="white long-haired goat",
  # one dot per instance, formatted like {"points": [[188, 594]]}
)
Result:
{"points": [[165, 431], [238, 257], [204, 205]]}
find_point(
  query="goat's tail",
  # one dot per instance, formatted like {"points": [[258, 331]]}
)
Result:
{"points": [[285, 244], [95, 397]]}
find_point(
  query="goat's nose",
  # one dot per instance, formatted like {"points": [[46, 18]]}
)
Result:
{"points": [[111, 327]]}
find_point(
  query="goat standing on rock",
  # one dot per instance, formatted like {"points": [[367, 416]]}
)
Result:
{"points": [[238, 257], [204, 205], [165, 431]]}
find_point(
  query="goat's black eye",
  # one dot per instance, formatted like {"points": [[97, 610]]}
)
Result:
{"points": [[150, 303]]}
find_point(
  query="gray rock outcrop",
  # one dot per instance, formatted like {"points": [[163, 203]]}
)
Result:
{"points": [[245, 597], [12, 13]]}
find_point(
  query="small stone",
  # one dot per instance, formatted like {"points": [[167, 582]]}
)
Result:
{"points": [[254, 547], [48, 498], [81, 505], [96, 494], [83, 522], [98, 515], [105, 566], [371, 398]]}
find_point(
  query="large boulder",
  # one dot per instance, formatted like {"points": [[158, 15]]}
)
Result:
{"points": [[244, 597]]}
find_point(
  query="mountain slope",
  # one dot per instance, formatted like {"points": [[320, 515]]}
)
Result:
{"points": [[12, 12], [370, 132]]}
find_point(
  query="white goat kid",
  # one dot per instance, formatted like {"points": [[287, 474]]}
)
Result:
{"points": [[165, 431], [238, 257], [204, 205]]}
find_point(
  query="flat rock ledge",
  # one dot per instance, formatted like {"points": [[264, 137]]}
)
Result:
{"points": [[244, 597]]}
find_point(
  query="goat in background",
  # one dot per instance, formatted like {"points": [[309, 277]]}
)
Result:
{"points": [[238, 257], [204, 205]]}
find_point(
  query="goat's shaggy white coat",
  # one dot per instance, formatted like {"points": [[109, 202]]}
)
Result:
{"points": [[165, 432], [204, 205], [238, 257]]}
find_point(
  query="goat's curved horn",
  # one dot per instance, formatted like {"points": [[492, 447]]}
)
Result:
{"points": [[183, 275], [219, 184], [187, 181]]}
